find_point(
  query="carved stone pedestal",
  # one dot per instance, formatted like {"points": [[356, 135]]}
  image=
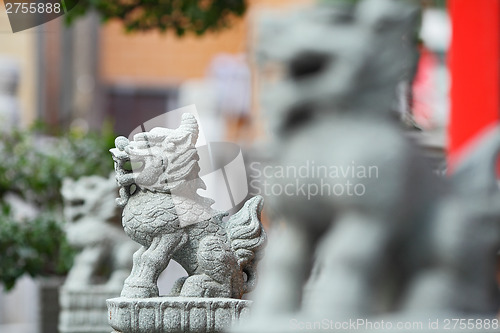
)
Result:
{"points": [[175, 314], [85, 311]]}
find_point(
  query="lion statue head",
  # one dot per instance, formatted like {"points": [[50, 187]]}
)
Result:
{"points": [[160, 160], [88, 204]]}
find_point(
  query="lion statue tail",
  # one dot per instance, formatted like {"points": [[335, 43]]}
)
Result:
{"points": [[248, 239]]}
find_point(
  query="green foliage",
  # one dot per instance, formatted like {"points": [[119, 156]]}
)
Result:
{"points": [[179, 16], [37, 248], [33, 167]]}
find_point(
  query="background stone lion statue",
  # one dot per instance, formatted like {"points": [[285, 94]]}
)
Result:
{"points": [[105, 251]]}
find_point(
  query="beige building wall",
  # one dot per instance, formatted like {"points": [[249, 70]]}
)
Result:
{"points": [[153, 57], [145, 58], [22, 47], [156, 59]]}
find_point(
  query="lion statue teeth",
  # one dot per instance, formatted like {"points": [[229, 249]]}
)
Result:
{"points": [[157, 173]]}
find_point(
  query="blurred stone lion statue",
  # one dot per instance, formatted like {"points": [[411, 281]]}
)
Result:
{"points": [[104, 251]]}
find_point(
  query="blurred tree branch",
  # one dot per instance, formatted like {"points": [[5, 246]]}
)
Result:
{"points": [[179, 16]]}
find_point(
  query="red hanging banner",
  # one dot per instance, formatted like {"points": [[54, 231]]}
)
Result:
{"points": [[474, 61]]}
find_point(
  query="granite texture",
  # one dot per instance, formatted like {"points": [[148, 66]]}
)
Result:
{"points": [[158, 177], [85, 311], [158, 174], [175, 314]]}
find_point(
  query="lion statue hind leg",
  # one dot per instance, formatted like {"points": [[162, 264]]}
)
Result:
{"points": [[216, 264]]}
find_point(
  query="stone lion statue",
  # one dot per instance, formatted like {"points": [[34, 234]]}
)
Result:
{"points": [[158, 175], [104, 249]]}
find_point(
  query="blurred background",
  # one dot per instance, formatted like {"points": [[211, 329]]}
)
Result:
{"points": [[66, 90], [83, 74]]}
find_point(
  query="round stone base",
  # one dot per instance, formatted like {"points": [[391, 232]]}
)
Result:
{"points": [[84, 311], [174, 314]]}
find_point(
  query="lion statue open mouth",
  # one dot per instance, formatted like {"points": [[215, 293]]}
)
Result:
{"points": [[158, 176]]}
